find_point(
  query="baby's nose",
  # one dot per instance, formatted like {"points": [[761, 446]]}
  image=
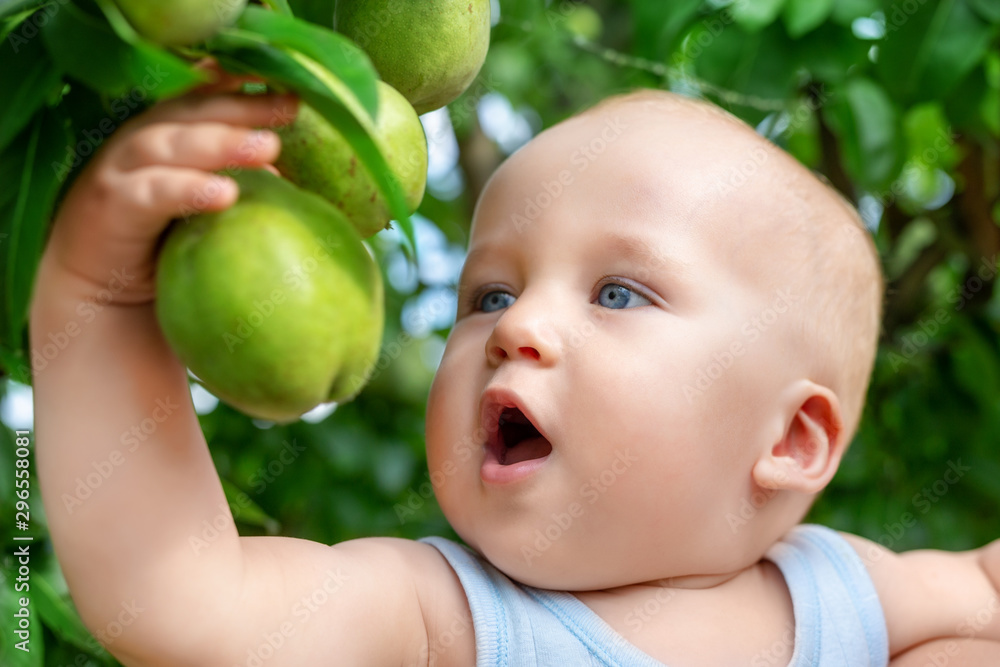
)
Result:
{"points": [[498, 353], [526, 333]]}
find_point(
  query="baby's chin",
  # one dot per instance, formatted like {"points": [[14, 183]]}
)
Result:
{"points": [[554, 564], [543, 571], [557, 555]]}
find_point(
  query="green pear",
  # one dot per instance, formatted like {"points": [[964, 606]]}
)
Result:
{"points": [[429, 50], [315, 156], [275, 303], [180, 22]]}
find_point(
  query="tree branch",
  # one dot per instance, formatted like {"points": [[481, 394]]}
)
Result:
{"points": [[972, 203]]}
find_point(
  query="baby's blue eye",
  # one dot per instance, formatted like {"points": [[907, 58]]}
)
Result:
{"points": [[618, 296], [495, 300]]}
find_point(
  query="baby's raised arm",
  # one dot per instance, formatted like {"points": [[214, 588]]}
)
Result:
{"points": [[929, 594], [125, 472]]}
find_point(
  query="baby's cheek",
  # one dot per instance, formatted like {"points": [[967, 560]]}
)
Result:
{"points": [[440, 427], [448, 376], [452, 437]]}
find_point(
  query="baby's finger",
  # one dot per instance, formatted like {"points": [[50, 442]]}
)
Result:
{"points": [[154, 195], [206, 146], [269, 111]]}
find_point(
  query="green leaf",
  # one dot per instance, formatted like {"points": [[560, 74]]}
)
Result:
{"points": [[831, 52], [928, 136], [988, 9], [963, 106], [246, 511], [9, 8], [802, 16], [10, 171], [18, 28], [868, 126], [911, 241], [926, 54], [319, 12], [334, 52], [245, 53], [41, 148], [958, 47], [28, 77], [802, 140], [756, 14], [93, 119], [71, 36], [756, 64], [658, 25], [975, 367], [117, 67], [989, 110], [845, 11], [60, 616]]}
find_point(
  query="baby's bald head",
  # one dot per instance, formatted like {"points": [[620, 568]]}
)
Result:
{"points": [[811, 242]]}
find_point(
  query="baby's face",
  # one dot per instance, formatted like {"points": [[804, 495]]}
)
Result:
{"points": [[606, 286]]}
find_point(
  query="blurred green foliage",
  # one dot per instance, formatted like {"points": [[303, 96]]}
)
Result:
{"points": [[895, 102]]}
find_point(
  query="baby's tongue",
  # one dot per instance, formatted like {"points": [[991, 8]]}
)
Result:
{"points": [[532, 448]]}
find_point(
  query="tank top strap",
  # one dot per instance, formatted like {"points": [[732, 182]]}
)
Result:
{"points": [[522, 626], [838, 616]]}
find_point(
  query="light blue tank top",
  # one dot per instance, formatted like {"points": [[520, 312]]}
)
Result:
{"points": [[838, 618]]}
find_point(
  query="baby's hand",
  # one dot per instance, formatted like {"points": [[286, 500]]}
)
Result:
{"points": [[156, 167]]}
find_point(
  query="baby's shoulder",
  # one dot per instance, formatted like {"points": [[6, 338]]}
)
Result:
{"points": [[443, 606], [371, 601], [929, 593]]}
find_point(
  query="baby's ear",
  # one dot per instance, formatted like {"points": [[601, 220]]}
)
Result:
{"points": [[809, 451]]}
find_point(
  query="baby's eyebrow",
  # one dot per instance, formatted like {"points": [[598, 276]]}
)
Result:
{"points": [[476, 253], [635, 249], [471, 259], [643, 254]]}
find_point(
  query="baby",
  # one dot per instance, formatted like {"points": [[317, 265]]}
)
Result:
{"points": [[631, 483]]}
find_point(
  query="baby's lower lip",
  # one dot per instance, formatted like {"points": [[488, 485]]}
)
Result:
{"points": [[493, 472]]}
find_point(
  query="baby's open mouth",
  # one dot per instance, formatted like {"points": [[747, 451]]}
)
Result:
{"points": [[519, 439]]}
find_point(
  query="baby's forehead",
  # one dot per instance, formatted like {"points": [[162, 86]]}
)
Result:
{"points": [[661, 159]]}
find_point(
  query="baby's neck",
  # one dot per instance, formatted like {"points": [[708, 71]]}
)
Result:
{"points": [[700, 619], [693, 581]]}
